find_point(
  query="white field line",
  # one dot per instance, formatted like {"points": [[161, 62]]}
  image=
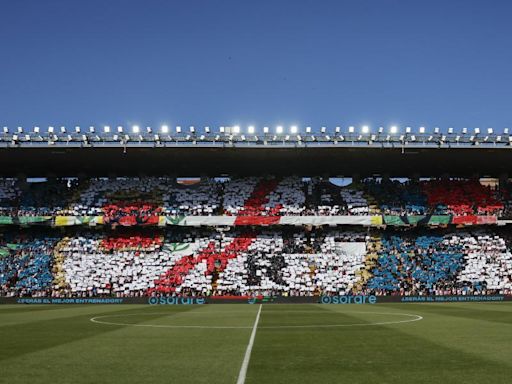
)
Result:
{"points": [[245, 364], [99, 320]]}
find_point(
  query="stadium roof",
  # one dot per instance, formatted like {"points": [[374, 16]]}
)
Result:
{"points": [[190, 151], [216, 160]]}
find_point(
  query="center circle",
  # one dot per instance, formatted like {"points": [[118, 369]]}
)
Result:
{"points": [[111, 320]]}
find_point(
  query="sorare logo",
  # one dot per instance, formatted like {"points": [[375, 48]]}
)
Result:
{"points": [[360, 299], [173, 300]]}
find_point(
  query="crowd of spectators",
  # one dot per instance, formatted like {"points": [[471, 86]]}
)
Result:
{"points": [[25, 264], [296, 265], [289, 262], [442, 265], [145, 197], [436, 197]]}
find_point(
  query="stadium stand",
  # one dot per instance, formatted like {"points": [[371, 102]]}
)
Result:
{"points": [[237, 254], [284, 261], [116, 198]]}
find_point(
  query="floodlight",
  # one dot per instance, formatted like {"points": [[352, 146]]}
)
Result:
{"points": [[279, 129], [178, 129], [192, 129], [165, 129], [91, 129], [106, 129], [422, 130], [236, 129], [505, 131], [149, 130], [393, 129], [337, 129], [489, 131], [308, 129], [464, 131], [477, 131], [381, 129], [119, 129], [50, 129], [407, 129], [36, 129], [207, 129], [135, 129], [20, 130], [6, 130], [77, 129], [62, 129], [265, 129], [293, 129], [450, 130], [221, 129], [323, 129], [436, 130], [351, 129], [250, 130], [365, 129]]}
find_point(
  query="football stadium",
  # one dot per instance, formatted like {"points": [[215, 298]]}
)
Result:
{"points": [[255, 192], [147, 274]]}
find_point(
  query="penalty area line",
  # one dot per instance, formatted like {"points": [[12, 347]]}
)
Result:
{"points": [[245, 364]]}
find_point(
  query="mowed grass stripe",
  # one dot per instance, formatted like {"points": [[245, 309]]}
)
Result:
{"points": [[486, 338], [314, 316], [477, 311], [155, 317], [468, 327], [28, 337], [4, 312], [52, 312]]}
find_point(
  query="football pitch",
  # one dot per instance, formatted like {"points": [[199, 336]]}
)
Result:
{"points": [[269, 343]]}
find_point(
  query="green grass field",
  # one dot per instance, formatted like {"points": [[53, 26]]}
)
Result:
{"points": [[383, 343]]}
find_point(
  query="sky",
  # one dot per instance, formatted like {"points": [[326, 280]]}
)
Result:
{"points": [[445, 63]]}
